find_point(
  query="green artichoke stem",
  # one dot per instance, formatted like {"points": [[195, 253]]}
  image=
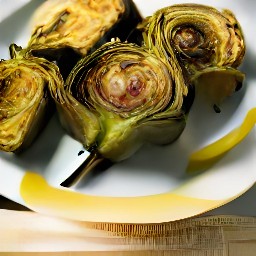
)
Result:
{"points": [[94, 162]]}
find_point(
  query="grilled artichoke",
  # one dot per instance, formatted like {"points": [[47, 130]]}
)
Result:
{"points": [[121, 96], [209, 43], [61, 29], [25, 102]]}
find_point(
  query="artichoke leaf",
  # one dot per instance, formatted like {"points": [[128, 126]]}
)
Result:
{"points": [[25, 103], [82, 124], [216, 84], [163, 131]]}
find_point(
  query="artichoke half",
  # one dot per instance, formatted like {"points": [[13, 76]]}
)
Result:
{"points": [[66, 30], [207, 41], [119, 97], [25, 102]]}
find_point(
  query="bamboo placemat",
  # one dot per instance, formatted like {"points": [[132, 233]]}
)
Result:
{"points": [[29, 233]]}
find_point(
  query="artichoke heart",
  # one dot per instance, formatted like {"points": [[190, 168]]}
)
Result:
{"points": [[121, 96], [25, 103], [82, 25], [207, 41]]}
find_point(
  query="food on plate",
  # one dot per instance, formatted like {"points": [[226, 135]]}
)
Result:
{"points": [[121, 96], [118, 94], [207, 41], [61, 28], [25, 103]]}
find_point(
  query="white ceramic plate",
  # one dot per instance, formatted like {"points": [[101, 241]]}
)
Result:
{"points": [[153, 170]]}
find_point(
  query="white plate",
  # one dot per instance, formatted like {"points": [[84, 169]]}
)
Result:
{"points": [[153, 170]]}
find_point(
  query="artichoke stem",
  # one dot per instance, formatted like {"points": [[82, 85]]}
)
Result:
{"points": [[92, 164]]}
